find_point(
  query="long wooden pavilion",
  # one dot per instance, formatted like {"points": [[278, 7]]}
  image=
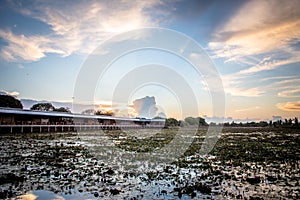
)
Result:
{"points": [[20, 121]]}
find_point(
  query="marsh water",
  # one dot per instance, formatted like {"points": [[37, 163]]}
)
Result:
{"points": [[248, 163]]}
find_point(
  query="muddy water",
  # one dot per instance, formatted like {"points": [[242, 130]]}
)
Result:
{"points": [[81, 166]]}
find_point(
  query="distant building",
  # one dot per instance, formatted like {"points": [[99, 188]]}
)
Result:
{"points": [[18, 120]]}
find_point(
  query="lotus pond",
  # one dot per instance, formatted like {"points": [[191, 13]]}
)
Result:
{"points": [[245, 163]]}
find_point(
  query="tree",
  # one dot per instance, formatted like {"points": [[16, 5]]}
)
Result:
{"points": [[263, 124], [43, 107], [191, 121], [88, 112], [201, 121], [182, 123], [98, 112], [285, 121], [107, 113], [212, 124], [62, 109], [290, 122], [195, 121], [296, 122], [158, 117], [270, 123], [10, 101], [171, 122]]}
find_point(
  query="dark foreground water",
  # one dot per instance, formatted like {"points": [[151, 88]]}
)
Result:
{"points": [[245, 164]]}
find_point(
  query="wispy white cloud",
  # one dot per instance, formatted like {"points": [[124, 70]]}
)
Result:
{"points": [[12, 93], [26, 48], [287, 82], [292, 93], [288, 88], [278, 78], [233, 86], [77, 27], [245, 92], [285, 86], [259, 37], [260, 29], [269, 65], [289, 106]]}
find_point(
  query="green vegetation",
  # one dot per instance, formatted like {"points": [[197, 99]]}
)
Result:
{"points": [[189, 121], [198, 121], [43, 107], [10, 101], [62, 109], [49, 107], [171, 122], [193, 121], [148, 144], [107, 113], [97, 112], [286, 123], [255, 162]]}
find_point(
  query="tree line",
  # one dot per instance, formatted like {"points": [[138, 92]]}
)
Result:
{"points": [[188, 121], [291, 122], [12, 102], [192, 121]]}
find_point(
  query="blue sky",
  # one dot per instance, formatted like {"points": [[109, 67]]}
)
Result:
{"points": [[254, 45]]}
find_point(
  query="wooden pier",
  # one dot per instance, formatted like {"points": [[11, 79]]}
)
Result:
{"points": [[67, 128]]}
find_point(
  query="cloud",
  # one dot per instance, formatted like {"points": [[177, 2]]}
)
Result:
{"points": [[259, 28], [77, 26], [289, 82], [145, 107], [26, 48], [232, 87], [289, 106], [105, 106], [13, 93], [247, 109], [260, 36], [269, 65], [278, 77], [285, 86], [288, 88], [290, 93], [245, 92]]}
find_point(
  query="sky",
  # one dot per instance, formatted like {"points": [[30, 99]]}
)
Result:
{"points": [[253, 45]]}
